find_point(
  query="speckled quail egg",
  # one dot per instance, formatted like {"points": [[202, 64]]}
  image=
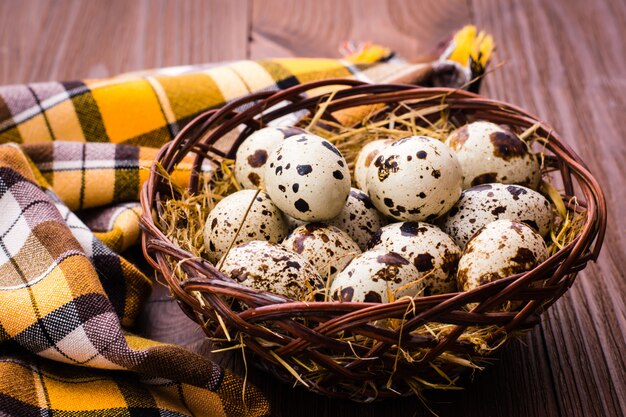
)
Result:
{"points": [[416, 178], [308, 178], [364, 160], [264, 222], [434, 253], [374, 276], [252, 154], [269, 267], [486, 203], [492, 153], [326, 247], [501, 249], [359, 218]]}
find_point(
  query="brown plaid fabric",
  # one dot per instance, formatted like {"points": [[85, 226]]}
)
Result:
{"points": [[67, 299]]}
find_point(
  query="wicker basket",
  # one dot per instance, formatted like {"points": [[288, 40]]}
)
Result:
{"points": [[318, 344]]}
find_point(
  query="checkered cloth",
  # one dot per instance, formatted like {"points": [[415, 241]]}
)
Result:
{"points": [[71, 166], [148, 109]]}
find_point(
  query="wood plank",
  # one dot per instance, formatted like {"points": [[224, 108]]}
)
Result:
{"points": [[72, 39], [561, 64], [317, 27]]}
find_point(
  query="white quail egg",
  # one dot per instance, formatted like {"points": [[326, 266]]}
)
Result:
{"points": [[326, 247], [483, 204], [268, 267], [433, 253], [264, 222], [252, 154], [308, 178], [364, 160], [491, 153], [359, 218], [374, 276], [501, 249], [416, 178]]}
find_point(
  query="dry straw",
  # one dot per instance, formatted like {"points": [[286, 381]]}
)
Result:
{"points": [[362, 351]]}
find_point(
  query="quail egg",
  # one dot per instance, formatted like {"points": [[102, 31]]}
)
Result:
{"points": [[326, 247], [263, 222], [433, 253], [359, 218], [501, 249], [483, 204], [308, 178], [364, 160], [269, 267], [416, 178], [376, 276], [491, 153], [252, 154]]}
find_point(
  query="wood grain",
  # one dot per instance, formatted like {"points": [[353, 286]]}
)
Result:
{"points": [[562, 63], [562, 59], [317, 27], [44, 40]]}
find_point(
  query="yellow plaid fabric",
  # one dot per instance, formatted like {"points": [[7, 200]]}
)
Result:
{"points": [[148, 109], [67, 299], [72, 161]]}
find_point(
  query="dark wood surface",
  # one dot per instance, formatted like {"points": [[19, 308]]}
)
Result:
{"points": [[563, 60]]}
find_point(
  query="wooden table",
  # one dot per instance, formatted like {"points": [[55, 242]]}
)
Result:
{"points": [[564, 60]]}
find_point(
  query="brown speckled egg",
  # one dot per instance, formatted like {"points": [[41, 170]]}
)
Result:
{"points": [[359, 218], [268, 267], [486, 203], [501, 249], [308, 178], [416, 178], [326, 247], [434, 253], [366, 156], [264, 222], [252, 154], [373, 275], [491, 153]]}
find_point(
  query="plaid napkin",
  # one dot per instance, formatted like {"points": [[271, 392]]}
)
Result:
{"points": [[72, 161]]}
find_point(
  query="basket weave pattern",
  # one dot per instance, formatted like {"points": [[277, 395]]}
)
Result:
{"points": [[340, 349]]}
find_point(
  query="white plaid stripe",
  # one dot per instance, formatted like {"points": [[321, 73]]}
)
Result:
{"points": [[83, 235], [78, 165], [34, 110], [14, 230], [358, 74], [77, 348], [165, 105]]}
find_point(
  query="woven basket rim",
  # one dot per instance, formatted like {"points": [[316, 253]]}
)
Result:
{"points": [[207, 128]]}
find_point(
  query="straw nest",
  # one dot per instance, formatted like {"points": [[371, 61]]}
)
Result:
{"points": [[401, 360]]}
